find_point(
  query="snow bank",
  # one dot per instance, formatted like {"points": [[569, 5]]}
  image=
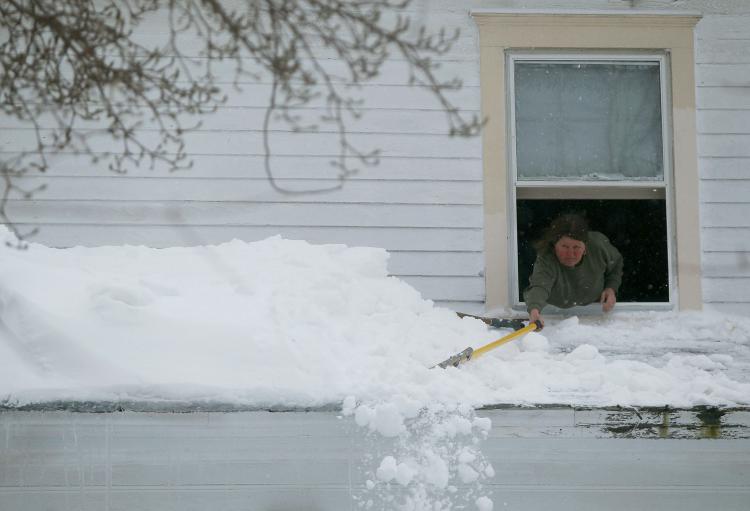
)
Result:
{"points": [[287, 323]]}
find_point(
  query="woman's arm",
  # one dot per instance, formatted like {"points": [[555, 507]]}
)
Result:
{"points": [[613, 271], [540, 285]]}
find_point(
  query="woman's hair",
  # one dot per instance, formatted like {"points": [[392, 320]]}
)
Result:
{"points": [[570, 224]]}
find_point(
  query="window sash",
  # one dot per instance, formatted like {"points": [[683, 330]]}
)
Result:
{"points": [[581, 188]]}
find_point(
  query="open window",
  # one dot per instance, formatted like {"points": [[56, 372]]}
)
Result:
{"points": [[592, 112], [589, 134]]}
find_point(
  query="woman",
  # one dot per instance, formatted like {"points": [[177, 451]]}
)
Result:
{"points": [[574, 266]]}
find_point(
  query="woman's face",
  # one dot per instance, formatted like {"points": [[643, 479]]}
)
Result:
{"points": [[569, 251]]}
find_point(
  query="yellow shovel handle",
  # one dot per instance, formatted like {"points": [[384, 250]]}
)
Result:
{"points": [[494, 344]]}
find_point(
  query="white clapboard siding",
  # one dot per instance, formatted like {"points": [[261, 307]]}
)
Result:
{"points": [[448, 287], [390, 238], [732, 25], [430, 13], [393, 72], [314, 144], [203, 213], [726, 264], [249, 119], [283, 167], [727, 98], [724, 145], [725, 214], [459, 264], [736, 122], [255, 190], [723, 75], [726, 289], [724, 168], [722, 51], [723, 121], [403, 96], [726, 239], [465, 45], [741, 309], [718, 190], [373, 96]]}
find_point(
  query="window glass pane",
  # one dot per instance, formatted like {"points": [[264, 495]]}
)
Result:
{"points": [[588, 121]]}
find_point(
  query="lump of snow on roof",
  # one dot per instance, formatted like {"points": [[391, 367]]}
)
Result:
{"points": [[289, 323]]}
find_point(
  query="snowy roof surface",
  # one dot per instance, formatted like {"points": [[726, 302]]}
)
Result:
{"points": [[282, 323]]}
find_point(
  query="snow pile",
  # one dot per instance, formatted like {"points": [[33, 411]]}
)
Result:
{"points": [[287, 323]]}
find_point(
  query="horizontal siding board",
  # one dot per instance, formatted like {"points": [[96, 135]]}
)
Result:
{"points": [[372, 96], [448, 288], [726, 264], [255, 190], [281, 143], [722, 75], [422, 12], [730, 289], [722, 51], [724, 168], [249, 119], [394, 71], [737, 309], [389, 238], [463, 264], [458, 70], [723, 97], [724, 145], [725, 215], [725, 239], [465, 45], [287, 167], [736, 190], [735, 26], [113, 212], [724, 121]]}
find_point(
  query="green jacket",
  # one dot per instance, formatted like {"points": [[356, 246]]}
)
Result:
{"points": [[558, 285]]}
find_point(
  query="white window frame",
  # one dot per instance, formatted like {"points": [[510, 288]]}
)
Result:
{"points": [[628, 189]]}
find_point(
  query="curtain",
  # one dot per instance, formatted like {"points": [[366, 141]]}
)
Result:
{"points": [[588, 121]]}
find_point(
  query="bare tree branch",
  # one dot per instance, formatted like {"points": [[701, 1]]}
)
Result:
{"points": [[79, 64]]}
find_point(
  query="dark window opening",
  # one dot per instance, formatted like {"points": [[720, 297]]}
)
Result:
{"points": [[637, 227]]}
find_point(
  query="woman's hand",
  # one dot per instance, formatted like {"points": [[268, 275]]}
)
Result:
{"points": [[535, 315], [608, 299]]}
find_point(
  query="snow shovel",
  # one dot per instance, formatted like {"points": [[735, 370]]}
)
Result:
{"points": [[515, 324], [471, 353]]}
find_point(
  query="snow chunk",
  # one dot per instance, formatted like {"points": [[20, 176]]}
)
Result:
{"points": [[467, 474], [489, 471], [483, 423], [435, 471], [387, 470], [535, 342], [349, 405], [583, 353], [405, 474], [484, 504]]}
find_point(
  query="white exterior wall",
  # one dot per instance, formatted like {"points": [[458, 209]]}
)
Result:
{"points": [[723, 102], [424, 201]]}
